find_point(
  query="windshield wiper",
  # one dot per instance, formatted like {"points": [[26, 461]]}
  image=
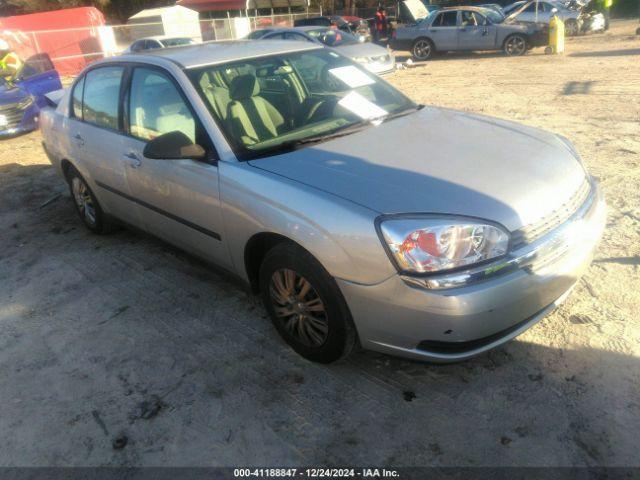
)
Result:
{"points": [[401, 113], [292, 145]]}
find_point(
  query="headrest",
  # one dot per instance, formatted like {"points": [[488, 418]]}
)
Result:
{"points": [[243, 87]]}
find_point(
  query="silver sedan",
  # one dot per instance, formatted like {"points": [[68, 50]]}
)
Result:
{"points": [[359, 216], [373, 57], [464, 28]]}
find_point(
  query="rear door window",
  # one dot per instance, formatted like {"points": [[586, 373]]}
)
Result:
{"points": [[446, 19], [36, 65], [101, 96]]}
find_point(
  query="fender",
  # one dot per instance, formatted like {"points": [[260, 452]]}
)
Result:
{"points": [[356, 254]]}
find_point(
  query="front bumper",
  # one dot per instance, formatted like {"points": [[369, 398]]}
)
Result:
{"points": [[434, 322], [382, 68], [16, 122]]}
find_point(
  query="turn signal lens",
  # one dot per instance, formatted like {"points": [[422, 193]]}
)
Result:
{"points": [[433, 245]]}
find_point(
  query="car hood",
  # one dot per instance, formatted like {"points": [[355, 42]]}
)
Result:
{"points": [[366, 49], [11, 94], [442, 161]]}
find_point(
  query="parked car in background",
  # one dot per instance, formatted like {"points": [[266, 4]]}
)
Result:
{"points": [[493, 6], [533, 11], [465, 28], [358, 215], [359, 27], [23, 95], [159, 41], [374, 58], [324, 21]]}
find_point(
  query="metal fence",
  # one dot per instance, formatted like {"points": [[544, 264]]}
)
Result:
{"points": [[73, 48]]}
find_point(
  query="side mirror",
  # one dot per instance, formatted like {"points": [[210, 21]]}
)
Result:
{"points": [[173, 146], [554, 10]]}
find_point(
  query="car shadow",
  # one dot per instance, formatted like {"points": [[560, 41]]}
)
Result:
{"points": [[608, 53], [439, 56]]}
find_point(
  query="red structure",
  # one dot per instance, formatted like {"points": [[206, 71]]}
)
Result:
{"points": [[214, 5], [71, 37]]}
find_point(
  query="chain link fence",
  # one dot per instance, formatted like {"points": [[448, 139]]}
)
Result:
{"points": [[73, 48]]}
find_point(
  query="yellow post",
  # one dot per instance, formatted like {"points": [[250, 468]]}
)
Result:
{"points": [[556, 36]]}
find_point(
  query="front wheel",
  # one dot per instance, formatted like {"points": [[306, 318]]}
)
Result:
{"points": [[305, 304], [422, 49], [515, 45]]}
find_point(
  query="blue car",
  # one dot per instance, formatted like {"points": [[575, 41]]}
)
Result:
{"points": [[23, 95]]}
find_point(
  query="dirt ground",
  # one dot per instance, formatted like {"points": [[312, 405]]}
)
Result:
{"points": [[124, 335]]}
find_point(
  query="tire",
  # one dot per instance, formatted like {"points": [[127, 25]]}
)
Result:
{"points": [[571, 28], [422, 49], [515, 45], [306, 305], [87, 206]]}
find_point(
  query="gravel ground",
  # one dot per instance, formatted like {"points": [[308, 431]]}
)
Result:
{"points": [[123, 335]]}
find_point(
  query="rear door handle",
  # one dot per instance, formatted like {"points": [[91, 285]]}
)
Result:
{"points": [[79, 139], [134, 160]]}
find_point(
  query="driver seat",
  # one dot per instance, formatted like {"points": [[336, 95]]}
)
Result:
{"points": [[252, 118]]}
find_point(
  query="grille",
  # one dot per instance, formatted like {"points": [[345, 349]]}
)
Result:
{"points": [[13, 114], [534, 231]]}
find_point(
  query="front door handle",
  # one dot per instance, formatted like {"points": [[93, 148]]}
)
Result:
{"points": [[134, 160], [79, 139]]}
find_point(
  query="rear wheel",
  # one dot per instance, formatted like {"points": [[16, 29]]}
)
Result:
{"points": [[515, 45], [86, 204], [422, 49], [305, 304]]}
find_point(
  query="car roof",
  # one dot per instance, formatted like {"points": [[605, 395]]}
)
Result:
{"points": [[209, 53], [464, 7], [161, 37], [304, 28]]}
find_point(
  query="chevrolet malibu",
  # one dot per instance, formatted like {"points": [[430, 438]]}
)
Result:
{"points": [[361, 217]]}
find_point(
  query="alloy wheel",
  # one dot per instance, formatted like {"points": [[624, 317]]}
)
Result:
{"points": [[515, 45], [299, 308], [422, 49], [83, 200], [571, 29]]}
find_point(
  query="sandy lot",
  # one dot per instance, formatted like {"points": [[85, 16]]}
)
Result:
{"points": [[124, 335]]}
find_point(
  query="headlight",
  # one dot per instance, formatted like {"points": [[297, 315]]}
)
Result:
{"points": [[428, 244], [361, 59]]}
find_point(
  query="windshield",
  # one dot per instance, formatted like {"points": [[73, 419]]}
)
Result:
{"points": [[270, 105], [332, 37], [256, 34], [512, 7], [176, 42]]}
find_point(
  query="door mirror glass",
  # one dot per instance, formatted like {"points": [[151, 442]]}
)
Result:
{"points": [[173, 146]]}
